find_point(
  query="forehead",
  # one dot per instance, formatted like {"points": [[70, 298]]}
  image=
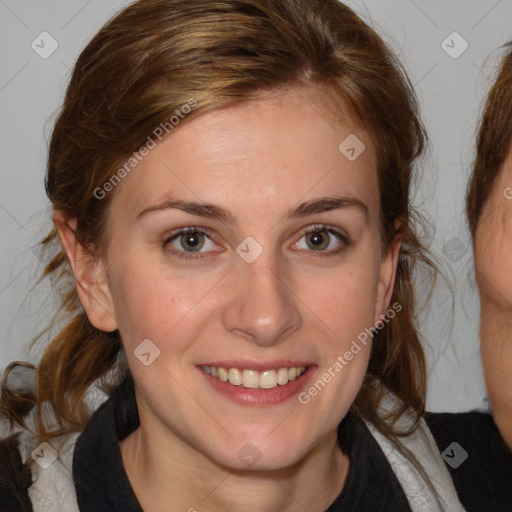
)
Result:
{"points": [[288, 146]]}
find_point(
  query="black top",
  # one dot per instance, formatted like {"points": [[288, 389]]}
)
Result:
{"points": [[483, 481]]}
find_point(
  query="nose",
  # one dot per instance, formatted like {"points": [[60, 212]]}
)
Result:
{"points": [[262, 305]]}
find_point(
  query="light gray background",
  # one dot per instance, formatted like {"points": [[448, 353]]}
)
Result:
{"points": [[450, 90]]}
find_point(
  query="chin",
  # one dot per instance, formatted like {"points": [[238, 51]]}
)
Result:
{"points": [[260, 456]]}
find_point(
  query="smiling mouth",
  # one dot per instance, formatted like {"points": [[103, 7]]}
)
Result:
{"points": [[252, 379]]}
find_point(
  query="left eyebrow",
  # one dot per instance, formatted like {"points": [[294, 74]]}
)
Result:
{"points": [[325, 204], [211, 211]]}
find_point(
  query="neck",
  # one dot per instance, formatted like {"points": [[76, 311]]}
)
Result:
{"points": [[180, 478]]}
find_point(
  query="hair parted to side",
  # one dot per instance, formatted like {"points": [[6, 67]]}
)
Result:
{"points": [[148, 61], [493, 142]]}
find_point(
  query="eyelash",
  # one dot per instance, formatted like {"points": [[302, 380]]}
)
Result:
{"points": [[180, 254], [311, 229]]}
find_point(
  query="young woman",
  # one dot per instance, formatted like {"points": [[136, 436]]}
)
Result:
{"points": [[489, 210], [234, 247]]}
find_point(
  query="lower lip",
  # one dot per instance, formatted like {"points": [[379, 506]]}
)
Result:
{"points": [[248, 396]]}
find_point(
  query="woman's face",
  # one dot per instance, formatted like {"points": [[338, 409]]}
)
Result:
{"points": [[493, 261], [253, 292]]}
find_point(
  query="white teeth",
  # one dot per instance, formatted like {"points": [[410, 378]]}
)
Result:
{"points": [[235, 377], [253, 379], [282, 376], [268, 379]]}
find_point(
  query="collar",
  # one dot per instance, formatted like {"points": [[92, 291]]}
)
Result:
{"points": [[101, 482]]}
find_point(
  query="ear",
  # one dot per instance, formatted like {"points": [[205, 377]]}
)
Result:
{"points": [[90, 276], [387, 276]]}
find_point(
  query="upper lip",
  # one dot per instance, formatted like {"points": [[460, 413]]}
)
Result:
{"points": [[258, 365]]}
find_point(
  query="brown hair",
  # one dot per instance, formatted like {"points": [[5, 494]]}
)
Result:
{"points": [[493, 142], [147, 62]]}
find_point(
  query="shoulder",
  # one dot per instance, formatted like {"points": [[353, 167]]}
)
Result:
{"points": [[15, 477], [477, 458]]}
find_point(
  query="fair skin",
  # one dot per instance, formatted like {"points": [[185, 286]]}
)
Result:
{"points": [[258, 160], [493, 261]]}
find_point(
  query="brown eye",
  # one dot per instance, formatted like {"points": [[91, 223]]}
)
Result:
{"points": [[193, 241], [322, 239], [189, 242], [318, 240]]}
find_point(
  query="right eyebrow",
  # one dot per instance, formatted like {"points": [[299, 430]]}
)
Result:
{"points": [[209, 211]]}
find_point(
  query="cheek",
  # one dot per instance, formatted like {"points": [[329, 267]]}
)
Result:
{"points": [[493, 261], [344, 302], [341, 301], [152, 302]]}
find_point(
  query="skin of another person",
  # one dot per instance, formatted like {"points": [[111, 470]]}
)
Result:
{"points": [[258, 160], [493, 262]]}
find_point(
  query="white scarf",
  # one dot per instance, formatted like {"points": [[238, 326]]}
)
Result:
{"points": [[422, 444]]}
